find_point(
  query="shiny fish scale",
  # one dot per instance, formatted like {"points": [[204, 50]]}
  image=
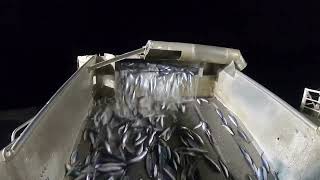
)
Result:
{"points": [[155, 171], [149, 164], [175, 165], [262, 173], [219, 113], [246, 155], [171, 173], [198, 138], [198, 125], [213, 164], [74, 157], [203, 100], [177, 157], [192, 143], [254, 168], [224, 169], [228, 129], [243, 136], [250, 177], [265, 162], [233, 120], [140, 140], [248, 160]]}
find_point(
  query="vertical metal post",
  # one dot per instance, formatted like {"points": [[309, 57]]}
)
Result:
{"points": [[303, 100]]}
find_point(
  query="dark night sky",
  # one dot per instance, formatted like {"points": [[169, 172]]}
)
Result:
{"points": [[40, 40]]}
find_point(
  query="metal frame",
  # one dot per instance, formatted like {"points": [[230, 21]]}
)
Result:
{"points": [[186, 52], [310, 102]]}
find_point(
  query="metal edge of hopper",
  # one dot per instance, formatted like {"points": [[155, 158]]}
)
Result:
{"points": [[196, 53], [116, 59], [13, 148], [186, 52]]}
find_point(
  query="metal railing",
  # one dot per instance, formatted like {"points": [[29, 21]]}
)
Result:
{"points": [[310, 103]]}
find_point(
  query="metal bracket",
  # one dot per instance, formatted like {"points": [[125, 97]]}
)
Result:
{"points": [[116, 59], [192, 53], [310, 102]]}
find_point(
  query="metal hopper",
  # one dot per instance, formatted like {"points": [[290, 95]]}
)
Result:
{"points": [[275, 131]]}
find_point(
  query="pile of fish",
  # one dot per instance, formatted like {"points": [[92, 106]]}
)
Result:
{"points": [[141, 88], [167, 148], [118, 143], [142, 133]]}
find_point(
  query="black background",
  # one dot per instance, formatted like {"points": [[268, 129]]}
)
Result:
{"points": [[40, 40]]}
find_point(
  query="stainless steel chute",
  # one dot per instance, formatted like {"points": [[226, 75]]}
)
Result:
{"points": [[288, 139]]}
